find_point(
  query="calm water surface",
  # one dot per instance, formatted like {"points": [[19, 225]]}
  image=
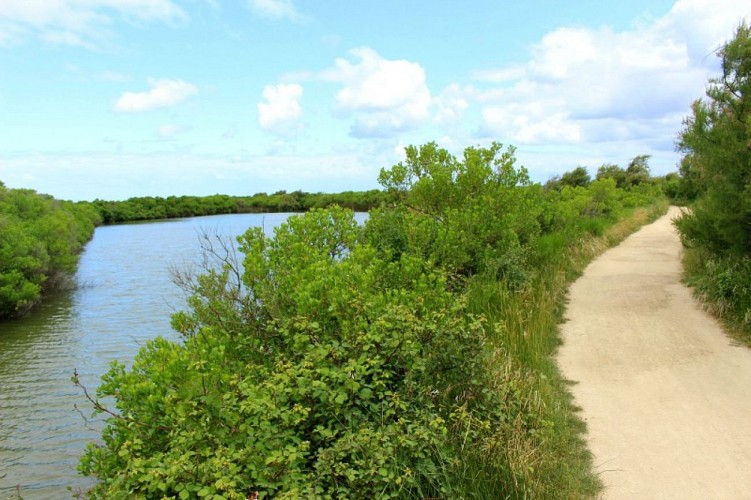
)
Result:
{"points": [[124, 297]]}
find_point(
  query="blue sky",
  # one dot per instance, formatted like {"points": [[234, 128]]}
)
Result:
{"points": [[117, 98]]}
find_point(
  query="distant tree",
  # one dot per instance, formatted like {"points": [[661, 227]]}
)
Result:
{"points": [[637, 171], [576, 177], [612, 171], [671, 186], [554, 183], [691, 183]]}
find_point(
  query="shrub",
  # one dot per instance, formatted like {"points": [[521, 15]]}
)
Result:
{"points": [[325, 371]]}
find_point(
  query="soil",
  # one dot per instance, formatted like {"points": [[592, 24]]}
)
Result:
{"points": [[665, 393]]}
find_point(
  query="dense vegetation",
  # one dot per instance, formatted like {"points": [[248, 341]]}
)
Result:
{"points": [[408, 357], [716, 172], [40, 239], [150, 207]]}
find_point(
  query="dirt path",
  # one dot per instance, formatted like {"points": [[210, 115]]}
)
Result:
{"points": [[665, 394]]}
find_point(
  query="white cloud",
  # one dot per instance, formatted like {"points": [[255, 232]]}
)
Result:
{"points": [[451, 105], [280, 111], [584, 86], [563, 50], [531, 123], [276, 9], [77, 22], [171, 130], [386, 96], [164, 93]]}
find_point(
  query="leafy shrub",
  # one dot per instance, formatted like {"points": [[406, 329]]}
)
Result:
{"points": [[40, 239], [326, 371], [465, 215]]}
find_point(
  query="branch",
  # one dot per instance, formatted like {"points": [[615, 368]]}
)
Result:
{"points": [[101, 408]]}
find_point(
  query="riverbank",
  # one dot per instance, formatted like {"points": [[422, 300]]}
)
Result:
{"points": [[40, 240], [124, 298]]}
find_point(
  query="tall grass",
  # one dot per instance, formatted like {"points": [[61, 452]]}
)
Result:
{"points": [[723, 285], [539, 450]]}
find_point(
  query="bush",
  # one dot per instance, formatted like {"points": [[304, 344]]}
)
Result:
{"points": [[465, 215], [326, 371], [40, 239]]}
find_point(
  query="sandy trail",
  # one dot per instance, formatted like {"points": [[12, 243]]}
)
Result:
{"points": [[665, 393]]}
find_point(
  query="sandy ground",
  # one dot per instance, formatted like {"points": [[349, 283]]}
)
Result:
{"points": [[666, 395]]}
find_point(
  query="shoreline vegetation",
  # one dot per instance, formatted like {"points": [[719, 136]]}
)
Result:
{"points": [[146, 208], [409, 357], [41, 237]]}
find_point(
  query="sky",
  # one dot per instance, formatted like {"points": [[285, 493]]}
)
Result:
{"points": [[111, 99]]}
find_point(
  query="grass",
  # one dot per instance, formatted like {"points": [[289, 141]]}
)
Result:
{"points": [[540, 450], [723, 286]]}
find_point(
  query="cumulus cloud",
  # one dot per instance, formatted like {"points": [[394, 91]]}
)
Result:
{"points": [[276, 9], [450, 105], [385, 96], [164, 93], [531, 123], [77, 22], [599, 85], [280, 110]]}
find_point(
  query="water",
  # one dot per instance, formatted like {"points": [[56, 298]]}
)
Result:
{"points": [[124, 298]]}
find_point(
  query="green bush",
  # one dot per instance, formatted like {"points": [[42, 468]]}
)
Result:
{"points": [[326, 371], [40, 239], [466, 215]]}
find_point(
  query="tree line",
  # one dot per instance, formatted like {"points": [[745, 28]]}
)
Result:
{"points": [[150, 207], [40, 239]]}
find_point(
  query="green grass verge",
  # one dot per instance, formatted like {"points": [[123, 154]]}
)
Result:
{"points": [[723, 286]]}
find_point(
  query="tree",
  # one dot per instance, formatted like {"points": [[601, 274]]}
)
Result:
{"points": [[577, 177], [470, 214], [637, 171], [612, 171], [716, 140]]}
